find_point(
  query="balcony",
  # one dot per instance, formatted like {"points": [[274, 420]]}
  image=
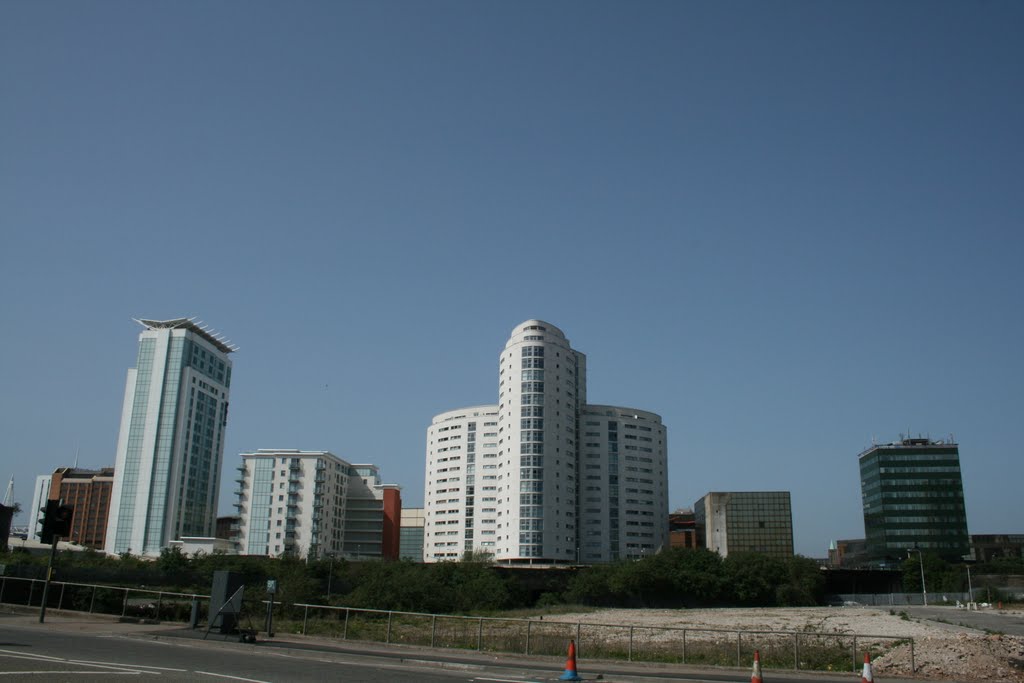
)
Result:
{"points": [[240, 491], [241, 468], [320, 478], [295, 467]]}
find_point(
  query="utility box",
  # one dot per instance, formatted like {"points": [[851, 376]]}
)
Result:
{"points": [[226, 601]]}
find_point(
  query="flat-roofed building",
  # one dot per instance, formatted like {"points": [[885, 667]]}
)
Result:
{"points": [[913, 499], [314, 504], [746, 521], [88, 492], [411, 535]]}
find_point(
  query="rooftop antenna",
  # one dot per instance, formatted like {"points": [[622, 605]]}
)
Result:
{"points": [[78, 449]]}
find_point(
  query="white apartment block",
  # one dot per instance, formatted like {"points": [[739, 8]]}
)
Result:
{"points": [[542, 477], [311, 503]]}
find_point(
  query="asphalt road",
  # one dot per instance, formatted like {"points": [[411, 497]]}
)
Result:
{"points": [[984, 620]]}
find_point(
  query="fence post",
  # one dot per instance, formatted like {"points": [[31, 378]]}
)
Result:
{"points": [[159, 603], [344, 634], [528, 624], [433, 628], [739, 655], [305, 615], [579, 640], [60, 601], [3, 585], [796, 651], [912, 667], [854, 669], [387, 636], [124, 605], [684, 646], [31, 589], [629, 655], [92, 600], [480, 635]]}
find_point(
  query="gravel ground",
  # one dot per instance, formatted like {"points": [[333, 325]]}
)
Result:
{"points": [[942, 652]]}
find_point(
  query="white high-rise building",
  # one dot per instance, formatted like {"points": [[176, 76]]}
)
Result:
{"points": [[171, 442], [313, 503], [542, 477]]}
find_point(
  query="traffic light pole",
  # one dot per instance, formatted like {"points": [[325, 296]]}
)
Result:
{"points": [[49, 573]]}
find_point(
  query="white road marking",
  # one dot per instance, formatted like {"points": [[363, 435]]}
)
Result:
{"points": [[234, 678], [94, 673], [110, 667], [502, 680], [132, 666]]}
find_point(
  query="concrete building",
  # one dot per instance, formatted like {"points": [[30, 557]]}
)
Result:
{"points": [[542, 477], [313, 503], [913, 498], [682, 529], [988, 547], [88, 492], [848, 553], [411, 535], [746, 521], [171, 441]]}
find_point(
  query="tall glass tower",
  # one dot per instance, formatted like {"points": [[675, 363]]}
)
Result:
{"points": [[913, 497], [171, 442]]}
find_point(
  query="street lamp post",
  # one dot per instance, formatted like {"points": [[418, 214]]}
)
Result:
{"points": [[330, 576], [970, 587], [924, 588]]}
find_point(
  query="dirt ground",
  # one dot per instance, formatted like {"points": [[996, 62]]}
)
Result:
{"points": [[942, 651]]}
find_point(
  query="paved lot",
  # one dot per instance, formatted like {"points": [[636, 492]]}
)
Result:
{"points": [[1009, 622]]}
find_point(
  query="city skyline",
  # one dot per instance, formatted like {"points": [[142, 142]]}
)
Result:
{"points": [[790, 230]]}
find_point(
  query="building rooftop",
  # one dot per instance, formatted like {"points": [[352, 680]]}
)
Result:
{"points": [[908, 442], [192, 325]]}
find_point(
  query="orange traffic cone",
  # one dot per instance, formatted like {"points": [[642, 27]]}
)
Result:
{"points": [[755, 677], [866, 676], [570, 665]]}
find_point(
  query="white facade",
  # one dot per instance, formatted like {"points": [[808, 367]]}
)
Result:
{"points": [[40, 494], [171, 441], [542, 477], [291, 501], [461, 498], [308, 503]]}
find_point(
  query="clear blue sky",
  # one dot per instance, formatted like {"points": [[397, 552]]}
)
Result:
{"points": [[786, 227]]}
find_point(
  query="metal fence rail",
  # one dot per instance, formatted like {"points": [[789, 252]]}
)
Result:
{"points": [[683, 645]]}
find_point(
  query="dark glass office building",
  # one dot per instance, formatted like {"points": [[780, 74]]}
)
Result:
{"points": [[913, 498]]}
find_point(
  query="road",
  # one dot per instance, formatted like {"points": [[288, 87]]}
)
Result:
{"points": [[84, 648], [983, 620]]}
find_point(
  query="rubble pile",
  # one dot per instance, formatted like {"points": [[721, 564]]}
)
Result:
{"points": [[961, 657]]}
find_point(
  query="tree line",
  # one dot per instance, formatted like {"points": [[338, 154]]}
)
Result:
{"points": [[669, 579]]}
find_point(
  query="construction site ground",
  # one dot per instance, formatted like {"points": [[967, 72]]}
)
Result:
{"points": [[950, 644]]}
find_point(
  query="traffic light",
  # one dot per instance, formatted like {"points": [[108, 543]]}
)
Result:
{"points": [[56, 521]]}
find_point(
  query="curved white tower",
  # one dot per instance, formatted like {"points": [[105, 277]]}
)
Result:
{"points": [[529, 482], [540, 391]]}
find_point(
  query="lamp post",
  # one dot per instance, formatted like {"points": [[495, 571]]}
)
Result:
{"points": [[924, 589], [970, 588], [330, 576]]}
